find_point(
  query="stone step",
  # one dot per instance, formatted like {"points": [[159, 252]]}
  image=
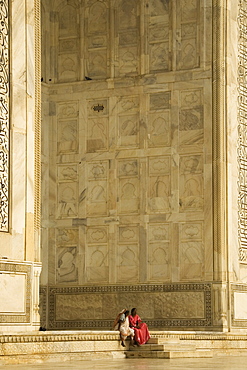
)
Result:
{"points": [[148, 347], [171, 344], [153, 340], [179, 346], [169, 354]]}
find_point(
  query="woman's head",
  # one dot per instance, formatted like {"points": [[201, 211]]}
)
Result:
{"points": [[133, 312]]}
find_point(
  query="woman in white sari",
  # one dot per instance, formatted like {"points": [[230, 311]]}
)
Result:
{"points": [[122, 324]]}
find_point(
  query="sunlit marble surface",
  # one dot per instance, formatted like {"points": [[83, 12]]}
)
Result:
{"points": [[226, 363]]}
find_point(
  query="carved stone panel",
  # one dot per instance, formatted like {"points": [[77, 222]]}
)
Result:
{"points": [[68, 21], [160, 56], [97, 40], [97, 126], [67, 200], [174, 305], [128, 121], [97, 255], [191, 183], [191, 118], [191, 251], [159, 129], [129, 196], [97, 64], [97, 134], [97, 188], [188, 18], [67, 173], [191, 260], [67, 237], [128, 61], [159, 252], [97, 265], [128, 234], [97, 201], [159, 189], [97, 18], [67, 110], [160, 101], [128, 168], [67, 136], [68, 67], [68, 43], [128, 262], [97, 170], [128, 38], [67, 270], [97, 235], [159, 35]]}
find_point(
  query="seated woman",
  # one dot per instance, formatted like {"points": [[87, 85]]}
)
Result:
{"points": [[122, 324], [141, 330]]}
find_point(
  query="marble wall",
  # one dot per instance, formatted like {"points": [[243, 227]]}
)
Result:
{"points": [[20, 265], [128, 164]]}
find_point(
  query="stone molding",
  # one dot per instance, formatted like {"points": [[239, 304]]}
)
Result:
{"points": [[57, 337], [54, 336]]}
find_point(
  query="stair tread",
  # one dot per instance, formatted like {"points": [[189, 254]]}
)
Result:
{"points": [[169, 354]]}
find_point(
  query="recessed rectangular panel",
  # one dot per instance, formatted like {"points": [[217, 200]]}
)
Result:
{"points": [[12, 292]]}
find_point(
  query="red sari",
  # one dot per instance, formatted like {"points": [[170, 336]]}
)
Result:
{"points": [[141, 332]]}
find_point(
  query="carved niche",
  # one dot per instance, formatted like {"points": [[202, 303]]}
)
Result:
{"points": [[97, 265], [159, 189], [159, 121], [128, 121], [159, 35], [129, 184], [188, 19], [66, 255], [97, 194], [191, 118], [191, 183], [97, 39], [128, 36], [68, 43]]}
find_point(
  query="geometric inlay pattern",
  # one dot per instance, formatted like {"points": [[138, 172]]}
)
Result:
{"points": [[4, 116]]}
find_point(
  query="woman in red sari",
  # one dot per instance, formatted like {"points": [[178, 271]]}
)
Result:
{"points": [[141, 330]]}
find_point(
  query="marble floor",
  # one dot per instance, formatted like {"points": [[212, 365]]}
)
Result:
{"points": [[226, 363]]}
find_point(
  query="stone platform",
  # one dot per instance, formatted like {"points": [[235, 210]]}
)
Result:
{"points": [[47, 346]]}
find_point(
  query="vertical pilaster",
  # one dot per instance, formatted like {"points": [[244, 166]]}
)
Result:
{"points": [[219, 160], [219, 140]]}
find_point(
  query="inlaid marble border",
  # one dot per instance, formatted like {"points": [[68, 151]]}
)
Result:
{"points": [[43, 305], [242, 124], [24, 269], [103, 324], [4, 116]]}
